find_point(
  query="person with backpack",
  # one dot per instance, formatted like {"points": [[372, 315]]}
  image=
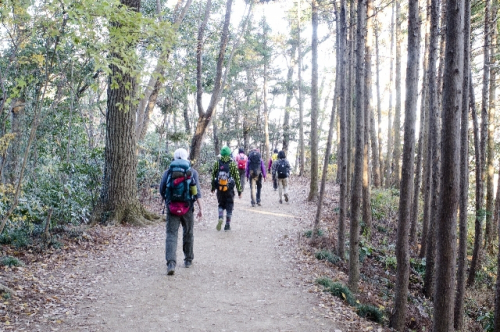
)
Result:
{"points": [[241, 160], [179, 188], [281, 172], [273, 158], [255, 171], [225, 178]]}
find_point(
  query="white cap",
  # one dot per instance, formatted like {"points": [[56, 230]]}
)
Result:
{"points": [[181, 154]]}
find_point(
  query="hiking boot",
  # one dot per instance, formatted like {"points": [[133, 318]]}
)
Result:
{"points": [[281, 202], [219, 224], [259, 204], [253, 204], [286, 197], [171, 268], [227, 227], [187, 264]]}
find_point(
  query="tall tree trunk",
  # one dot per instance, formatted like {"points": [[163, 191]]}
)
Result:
{"points": [[396, 172], [289, 95], [119, 202], [301, 104], [342, 39], [447, 222], [264, 93], [489, 232], [215, 130], [369, 126], [388, 159], [433, 150], [405, 200], [481, 152], [464, 177], [350, 94], [379, 107], [422, 136], [12, 158], [313, 189], [205, 116], [360, 141]]}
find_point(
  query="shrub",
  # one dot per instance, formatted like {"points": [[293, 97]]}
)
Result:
{"points": [[309, 233], [11, 261], [384, 202], [370, 312], [328, 256]]}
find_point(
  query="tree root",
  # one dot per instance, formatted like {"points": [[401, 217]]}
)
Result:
{"points": [[133, 214]]}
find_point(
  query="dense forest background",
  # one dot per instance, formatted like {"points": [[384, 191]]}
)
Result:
{"points": [[393, 101]]}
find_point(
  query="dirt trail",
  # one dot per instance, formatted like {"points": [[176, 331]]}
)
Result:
{"points": [[241, 280]]}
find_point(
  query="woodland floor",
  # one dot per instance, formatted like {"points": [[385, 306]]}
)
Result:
{"points": [[260, 276]]}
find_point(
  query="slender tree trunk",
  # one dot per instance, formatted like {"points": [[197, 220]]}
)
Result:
{"points": [[350, 95], [388, 159], [360, 141], [342, 38], [215, 130], [433, 150], [313, 189], [301, 105], [447, 222], [464, 178], [396, 172], [369, 127], [481, 150], [405, 200], [379, 107], [489, 232], [204, 117], [264, 93], [422, 135], [289, 95]]}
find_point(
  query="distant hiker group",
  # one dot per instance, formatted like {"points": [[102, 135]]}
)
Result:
{"points": [[180, 189]]}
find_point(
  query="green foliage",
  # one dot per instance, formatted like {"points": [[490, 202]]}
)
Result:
{"points": [[418, 265], [487, 321], [391, 262], [18, 237], [337, 289], [328, 256], [309, 233], [384, 203], [11, 261], [370, 312]]}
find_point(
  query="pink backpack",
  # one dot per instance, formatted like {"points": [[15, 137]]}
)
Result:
{"points": [[242, 161]]}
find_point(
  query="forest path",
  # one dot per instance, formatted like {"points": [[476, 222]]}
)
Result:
{"points": [[241, 280]]}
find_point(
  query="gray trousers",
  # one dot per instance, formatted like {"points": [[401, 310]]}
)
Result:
{"points": [[242, 178], [173, 222]]}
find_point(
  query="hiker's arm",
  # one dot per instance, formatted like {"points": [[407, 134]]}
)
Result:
{"points": [[200, 213], [263, 169], [233, 169], [247, 170]]}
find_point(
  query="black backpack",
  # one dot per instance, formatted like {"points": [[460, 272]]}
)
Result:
{"points": [[224, 180], [254, 164], [281, 169]]}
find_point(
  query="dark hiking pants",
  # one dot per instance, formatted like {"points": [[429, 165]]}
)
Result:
{"points": [[173, 222]]}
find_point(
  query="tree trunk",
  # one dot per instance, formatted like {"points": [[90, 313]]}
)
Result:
{"points": [[350, 94], [289, 95], [422, 136], [489, 231], [433, 150], [342, 39], [301, 104], [388, 159], [12, 162], [360, 141], [405, 200], [464, 178], [119, 202], [369, 127], [481, 150], [267, 154], [396, 172], [313, 189], [379, 107], [446, 226], [204, 117]]}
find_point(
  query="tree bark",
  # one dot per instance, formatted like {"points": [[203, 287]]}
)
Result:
{"points": [[388, 159], [313, 188], [481, 150], [289, 95], [405, 200], [433, 150], [342, 38], [379, 107], [360, 141], [396, 172], [447, 222], [264, 93], [464, 178], [301, 104]]}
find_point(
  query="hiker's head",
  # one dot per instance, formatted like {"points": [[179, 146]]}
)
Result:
{"points": [[281, 154], [225, 151], [253, 147], [181, 154], [275, 151], [241, 150]]}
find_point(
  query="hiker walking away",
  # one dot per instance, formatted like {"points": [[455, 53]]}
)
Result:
{"points": [[179, 187], [255, 171], [281, 172], [241, 160], [225, 178], [273, 158]]}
